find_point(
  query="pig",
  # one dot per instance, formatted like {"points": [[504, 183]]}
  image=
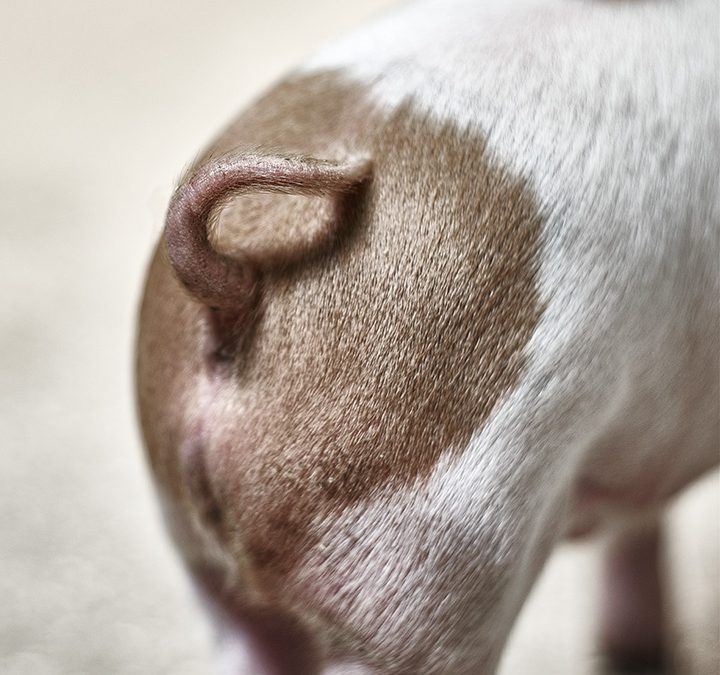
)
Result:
{"points": [[442, 297]]}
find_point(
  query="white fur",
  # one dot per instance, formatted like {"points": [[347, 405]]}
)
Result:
{"points": [[609, 110]]}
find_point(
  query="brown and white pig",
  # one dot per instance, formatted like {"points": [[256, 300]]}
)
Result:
{"points": [[446, 294]]}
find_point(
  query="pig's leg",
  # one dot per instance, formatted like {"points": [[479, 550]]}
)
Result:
{"points": [[632, 629]]}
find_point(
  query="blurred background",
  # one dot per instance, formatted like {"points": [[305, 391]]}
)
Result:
{"points": [[102, 105]]}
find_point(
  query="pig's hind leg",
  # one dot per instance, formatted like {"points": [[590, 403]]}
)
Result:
{"points": [[633, 627]]}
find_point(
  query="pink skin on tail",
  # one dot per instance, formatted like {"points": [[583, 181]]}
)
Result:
{"points": [[226, 283]]}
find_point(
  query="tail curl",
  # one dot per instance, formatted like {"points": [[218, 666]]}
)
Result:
{"points": [[225, 283]]}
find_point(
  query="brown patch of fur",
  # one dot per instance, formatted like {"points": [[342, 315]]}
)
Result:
{"points": [[371, 360], [171, 328]]}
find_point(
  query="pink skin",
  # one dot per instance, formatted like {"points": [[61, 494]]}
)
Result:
{"points": [[218, 281]]}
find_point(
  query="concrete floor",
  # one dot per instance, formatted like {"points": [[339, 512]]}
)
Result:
{"points": [[103, 103]]}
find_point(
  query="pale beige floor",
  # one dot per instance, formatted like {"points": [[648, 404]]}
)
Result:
{"points": [[102, 104]]}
